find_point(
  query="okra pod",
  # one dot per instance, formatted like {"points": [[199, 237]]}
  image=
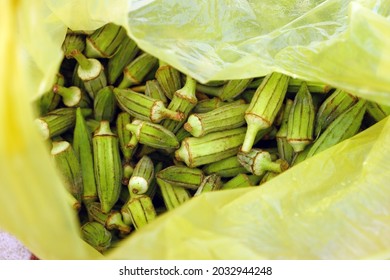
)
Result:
{"points": [[82, 144], [69, 167], [169, 79], [220, 119], [264, 106], [107, 165], [142, 176], [145, 107], [211, 147]]}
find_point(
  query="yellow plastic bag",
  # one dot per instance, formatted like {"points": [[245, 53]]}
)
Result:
{"points": [[332, 206]]}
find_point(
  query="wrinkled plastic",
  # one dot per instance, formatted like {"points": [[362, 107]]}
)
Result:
{"points": [[332, 206]]}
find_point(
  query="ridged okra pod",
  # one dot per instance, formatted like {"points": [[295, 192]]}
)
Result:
{"points": [[124, 135], [207, 105], [183, 176], [184, 100], [314, 87], [126, 52], [154, 90], [338, 102], [230, 90], [268, 176], [210, 183], [151, 134], [169, 79], [220, 119], [136, 71], [211, 147], [301, 120], [145, 107], [258, 162], [104, 41], [82, 144], [104, 104], [95, 214], [58, 121], [142, 176], [376, 111], [138, 210], [346, 125], [107, 165], [264, 106], [96, 235], [69, 167], [173, 196], [228, 167], [285, 150], [241, 181]]}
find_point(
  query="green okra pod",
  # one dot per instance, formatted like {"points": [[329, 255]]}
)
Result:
{"points": [[241, 181], [145, 107], [268, 176], [338, 102], [209, 183], [124, 135], [107, 165], [168, 78], [314, 87], [264, 106], [82, 144], [173, 196], [104, 104], [135, 72], [285, 150], [58, 121], [142, 176], [69, 167], [376, 111], [95, 214], [228, 167], [220, 119], [300, 125], [207, 105], [73, 42], [104, 41], [184, 100], [126, 52], [196, 151], [343, 127], [138, 210], [183, 176], [152, 135], [259, 161], [96, 235], [154, 90]]}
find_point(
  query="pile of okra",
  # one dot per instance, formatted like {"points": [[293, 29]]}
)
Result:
{"points": [[133, 137]]}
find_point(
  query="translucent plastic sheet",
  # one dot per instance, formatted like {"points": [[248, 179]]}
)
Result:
{"points": [[333, 206]]}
